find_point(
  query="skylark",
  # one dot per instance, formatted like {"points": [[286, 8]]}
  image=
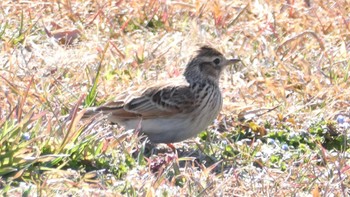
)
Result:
{"points": [[174, 110]]}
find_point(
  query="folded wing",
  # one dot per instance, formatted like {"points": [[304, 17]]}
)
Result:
{"points": [[161, 100]]}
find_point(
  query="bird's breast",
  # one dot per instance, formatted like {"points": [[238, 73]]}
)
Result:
{"points": [[209, 105]]}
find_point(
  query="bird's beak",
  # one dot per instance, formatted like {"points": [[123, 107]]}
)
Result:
{"points": [[233, 61]]}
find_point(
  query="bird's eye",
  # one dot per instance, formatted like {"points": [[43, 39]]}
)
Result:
{"points": [[217, 61]]}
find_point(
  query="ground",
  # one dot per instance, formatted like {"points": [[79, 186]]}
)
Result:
{"points": [[283, 129]]}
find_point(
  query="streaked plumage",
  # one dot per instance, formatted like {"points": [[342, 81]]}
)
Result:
{"points": [[175, 110]]}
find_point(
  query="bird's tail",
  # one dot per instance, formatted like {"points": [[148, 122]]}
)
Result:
{"points": [[90, 112], [101, 110]]}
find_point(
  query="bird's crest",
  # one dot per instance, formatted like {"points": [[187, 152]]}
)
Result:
{"points": [[208, 51]]}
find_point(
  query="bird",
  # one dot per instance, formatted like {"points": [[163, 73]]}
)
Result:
{"points": [[174, 110]]}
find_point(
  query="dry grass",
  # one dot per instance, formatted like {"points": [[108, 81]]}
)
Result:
{"points": [[278, 134]]}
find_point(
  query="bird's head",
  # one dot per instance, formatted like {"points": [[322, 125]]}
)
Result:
{"points": [[208, 64]]}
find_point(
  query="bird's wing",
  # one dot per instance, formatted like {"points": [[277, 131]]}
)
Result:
{"points": [[161, 100], [164, 101]]}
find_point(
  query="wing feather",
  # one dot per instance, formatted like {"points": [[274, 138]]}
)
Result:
{"points": [[161, 100]]}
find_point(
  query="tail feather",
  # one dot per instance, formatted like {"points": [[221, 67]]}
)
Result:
{"points": [[115, 112], [103, 110], [91, 111]]}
